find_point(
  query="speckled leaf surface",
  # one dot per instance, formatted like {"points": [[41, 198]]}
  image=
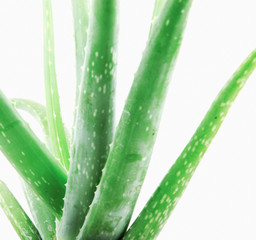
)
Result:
{"points": [[30, 157], [42, 215], [94, 120], [16, 215], [129, 156], [155, 214]]}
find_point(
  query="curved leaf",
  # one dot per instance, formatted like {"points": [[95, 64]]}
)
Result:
{"points": [[30, 157], [38, 111], [16, 215], [42, 215], [129, 156], [156, 212], [57, 133], [95, 117]]}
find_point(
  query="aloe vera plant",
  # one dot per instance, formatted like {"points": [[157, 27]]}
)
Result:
{"points": [[86, 186]]}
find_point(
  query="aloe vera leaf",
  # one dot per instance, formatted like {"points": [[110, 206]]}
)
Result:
{"points": [[156, 212], [94, 124], [42, 215], [30, 157], [156, 13], [158, 7], [127, 163], [16, 215], [38, 111], [57, 133], [80, 10]]}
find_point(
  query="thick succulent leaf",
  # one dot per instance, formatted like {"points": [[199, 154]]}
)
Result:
{"points": [[129, 156], [155, 214], [30, 157], [80, 9], [16, 215], [94, 121], [42, 215], [38, 111], [56, 127], [157, 10]]}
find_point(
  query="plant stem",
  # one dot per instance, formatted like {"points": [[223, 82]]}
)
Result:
{"points": [[129, 156]]}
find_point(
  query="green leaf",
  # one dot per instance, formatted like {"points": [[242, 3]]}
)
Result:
{"points": [[42, 215], [156, 13], [94, 121], [38, 111], [57, 133], [16, 215], [80, 9], [128, 160], [30, 157], [155, 214]]}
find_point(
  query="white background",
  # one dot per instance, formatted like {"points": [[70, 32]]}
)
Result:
{"points": [[219, 203]]}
